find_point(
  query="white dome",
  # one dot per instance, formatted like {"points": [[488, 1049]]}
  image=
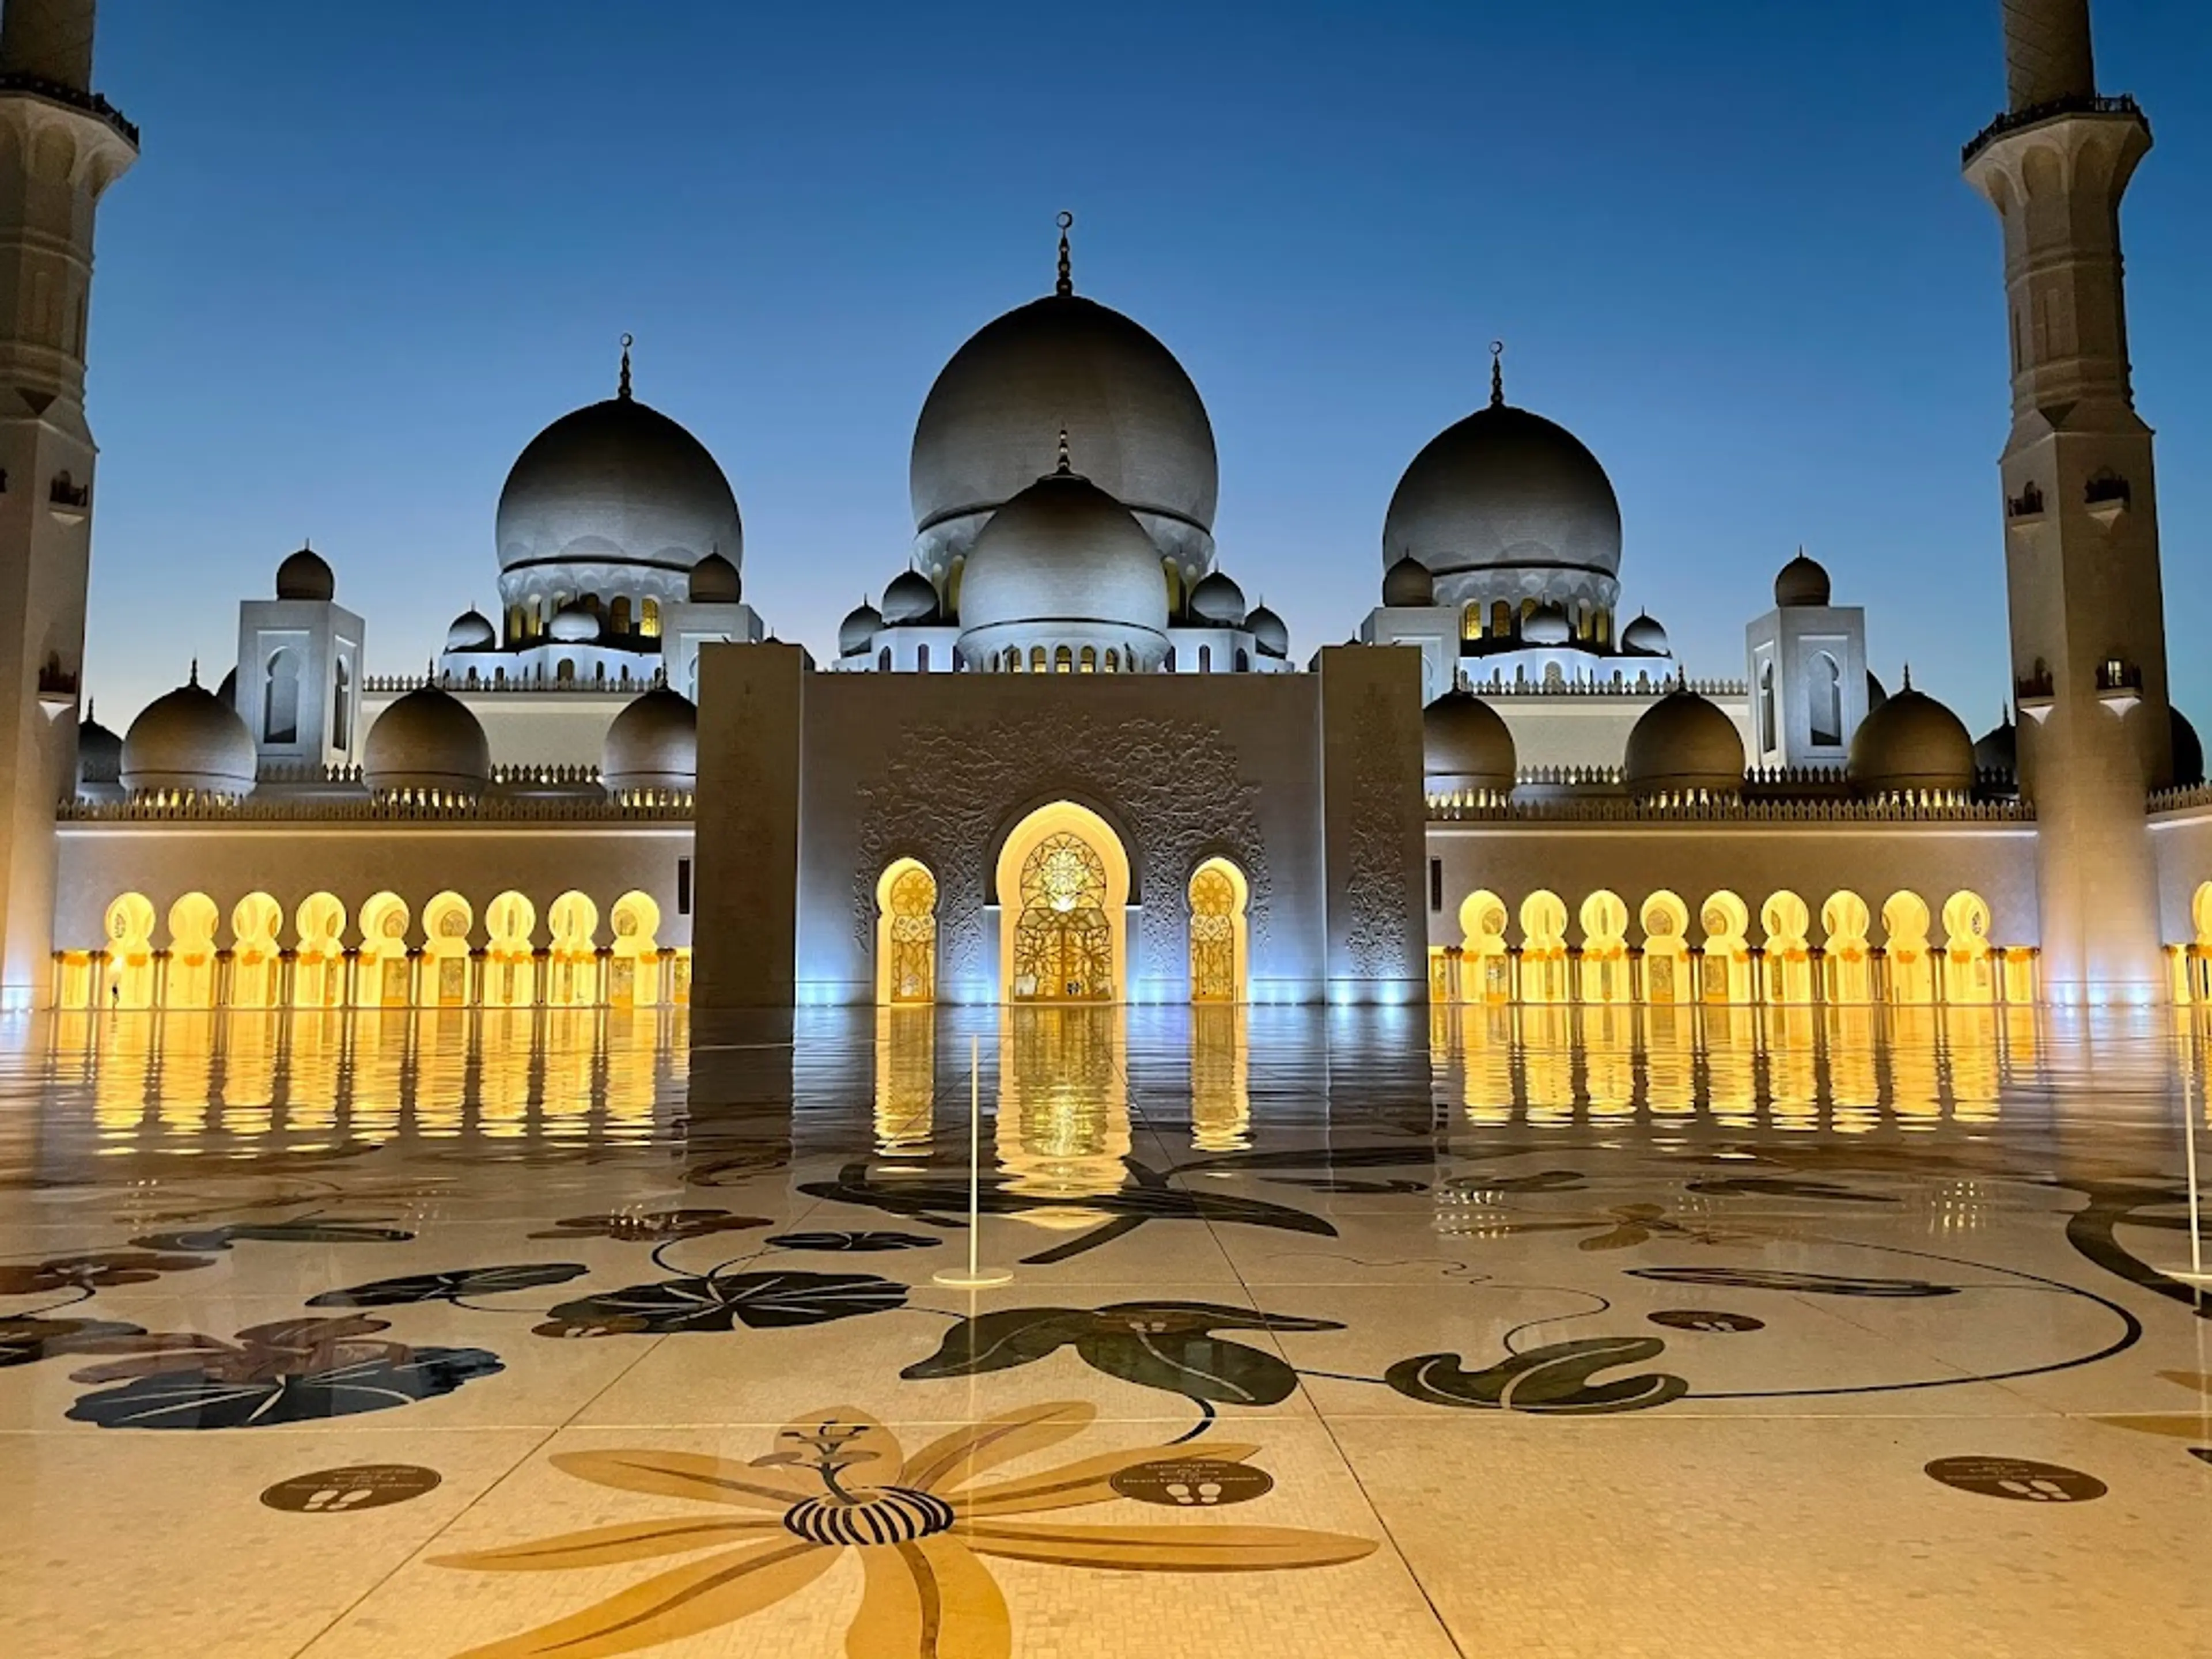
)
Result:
{"points": [[910, 600], [429, 740], [616, 483], [1218, 600], [573, 625], [1064, 561], [1269, 632], [1547, 625], [1131, 415], [189, 740], [1645, 635], [653, 743], [858, 631], [472, 631]]}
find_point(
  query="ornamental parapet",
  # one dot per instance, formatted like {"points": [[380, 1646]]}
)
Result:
{"points": [[1647, 685], [637, 806], [1708, 809]]}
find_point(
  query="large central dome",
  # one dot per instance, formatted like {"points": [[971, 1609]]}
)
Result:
{"points": [[988, 426], [617, 484], [1505, 489]]}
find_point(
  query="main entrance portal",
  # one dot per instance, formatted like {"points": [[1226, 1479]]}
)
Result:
{"points": [[1063, 888]]}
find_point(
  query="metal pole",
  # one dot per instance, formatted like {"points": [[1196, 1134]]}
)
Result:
{"points": [[975, 1278]]}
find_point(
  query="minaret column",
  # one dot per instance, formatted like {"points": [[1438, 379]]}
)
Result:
{"points": [[61, 146], [2080, 510]]}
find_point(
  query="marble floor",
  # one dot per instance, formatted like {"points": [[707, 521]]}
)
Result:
{"points": [[1537, 1332]]}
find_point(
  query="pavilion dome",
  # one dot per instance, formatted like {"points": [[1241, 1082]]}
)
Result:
{"points": [[1063, 561], [573, 625], [1802, 581], [98, 755], [857, 631], [616, 483], [427, 740], [716, 581], [305, 574], [1131, 413], [2188, 751], [1911, 742], [910, 600], [653, 743], [1505, 489], [1409, 584], [1269, 632], [1644, 636], [189, 740], [1218, 600], [1684, 743], [472, 631], [1465, 745], [1997, 750], [1547, 625]]}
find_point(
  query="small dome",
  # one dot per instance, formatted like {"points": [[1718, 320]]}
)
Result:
{"points": [[715, 580], [1064, 556], [1911, 742], [1644, 636], [227, 693], [98, 755], [1407, 585], [1997, 750], [620, 481], [1465, 745], [858, 631], [427, 740], [1268, 632], [653, 743], [472, 631], [189, 740], [573, 625], [1217, 600], [1683, 743], [1802, 581], [1877, 693], [2188, 751], [305, 576], [1547, 625], [910, 600], [1505, 489]]}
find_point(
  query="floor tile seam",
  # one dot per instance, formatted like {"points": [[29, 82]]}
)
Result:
{"points": [[469, 1508]]}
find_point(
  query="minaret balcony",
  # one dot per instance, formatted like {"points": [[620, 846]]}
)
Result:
{"points": [[2107, 497], [2119, 684], [2014, 120], [2035, 697]]}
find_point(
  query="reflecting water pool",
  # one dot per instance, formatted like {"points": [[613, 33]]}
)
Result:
{"points": [[1760, 1332]]}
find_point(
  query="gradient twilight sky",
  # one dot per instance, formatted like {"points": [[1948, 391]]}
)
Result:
{"points": [[370, 250]]}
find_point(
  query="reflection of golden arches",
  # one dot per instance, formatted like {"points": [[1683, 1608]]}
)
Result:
{"points": [[1218, 897], [1062, 882], [906, 933], [318, 963]]}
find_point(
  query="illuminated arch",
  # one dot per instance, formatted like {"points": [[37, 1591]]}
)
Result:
{"points": [[1665, 920], [1483, 919], [510, 956], [384, 975], [1788, 958], [1219, 895], [446, 922], [573, 961], [906, 933], [318, 959], [1605, 969], [255, 954], [1728, 968], [634, 960], [190, 981], [130, 928], [1969, 975], [1544, 948], [1063, 890], [1908, 967], [1846, 958]]}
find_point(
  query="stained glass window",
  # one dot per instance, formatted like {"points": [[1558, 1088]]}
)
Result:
{"points": [[1212, 936], [1063, 943], [911, 936]]}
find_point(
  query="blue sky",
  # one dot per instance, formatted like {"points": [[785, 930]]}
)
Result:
{"points": [[369, 251]]}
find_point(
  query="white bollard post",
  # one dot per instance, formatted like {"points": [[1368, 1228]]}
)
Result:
{"points": [[975, 1277]]}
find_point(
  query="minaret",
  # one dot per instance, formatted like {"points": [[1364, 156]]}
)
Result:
{"points": [[61, 146], [2081, 512]]}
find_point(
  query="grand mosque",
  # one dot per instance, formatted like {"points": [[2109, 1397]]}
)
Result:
{"points": [[1060, 756]]}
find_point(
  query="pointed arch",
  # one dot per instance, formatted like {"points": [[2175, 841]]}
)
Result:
{"points": [[1846, 957], [1606, 975], [634, 959], [1969, 975], [1544, 975], [1906, 962], [510, 954], [1787, 959], [1728, 967], [573, 960], [384, 973], [1062, 883], [1219, 895], [319, 958], [130, 928], [255, 955], [1483, 919], [906, 933], [1665, 920], [446, 923]]}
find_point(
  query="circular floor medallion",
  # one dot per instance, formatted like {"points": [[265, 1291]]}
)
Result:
{"points": [[2017, 1478], [359, 1487], [1705, 1319], [1192, 1483]]}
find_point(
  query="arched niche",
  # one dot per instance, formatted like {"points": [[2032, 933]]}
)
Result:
{"points": [[906, 933], [1062, 886], [1218, 964]]}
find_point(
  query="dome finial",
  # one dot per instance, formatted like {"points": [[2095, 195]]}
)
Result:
{"points": [[622, 391], [194, 677], [1496, 374], [1908, 677], [1066, 284], [1067, 466]]}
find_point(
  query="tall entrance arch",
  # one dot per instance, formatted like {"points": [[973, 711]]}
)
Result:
{"points": [[1063, 891]]}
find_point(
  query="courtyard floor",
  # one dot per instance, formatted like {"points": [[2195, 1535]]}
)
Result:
{"points": [[1536, 1332]]}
